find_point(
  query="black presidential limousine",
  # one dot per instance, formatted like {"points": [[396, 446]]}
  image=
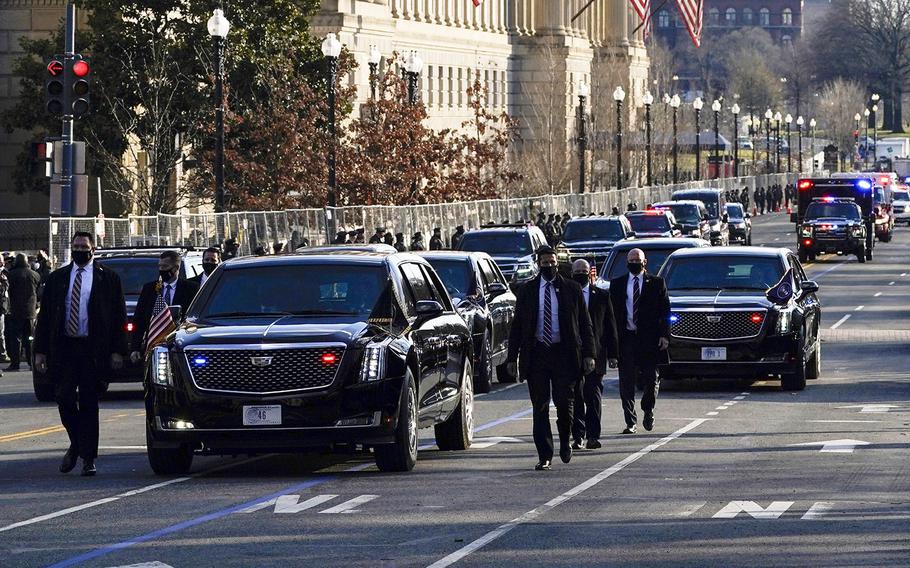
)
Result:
{"points": [[291, 352]]}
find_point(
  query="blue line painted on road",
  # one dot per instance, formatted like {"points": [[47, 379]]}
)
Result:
{"points": [[835, 267]]}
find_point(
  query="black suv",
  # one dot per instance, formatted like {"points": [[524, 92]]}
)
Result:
{"points": [[284, 353], [481, 295], [716, 205], [724, 325], [654, 223], [832, 225], [511, 246], [591, 238], [692, 217], [135, 266]]}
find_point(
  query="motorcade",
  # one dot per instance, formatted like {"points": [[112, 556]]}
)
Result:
{"points": [[481, 295], [726, 324], [832, 225], [656, 251], [591, 238], [858, 187], [654, 223], [511, 246], [901, 204], [692, 216], [882, 185], [716, 203], [740, 223], [135, 266], [290, 352]]}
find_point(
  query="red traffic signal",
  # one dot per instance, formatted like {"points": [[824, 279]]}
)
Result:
{"points": [[81, 68], [55, 68]]}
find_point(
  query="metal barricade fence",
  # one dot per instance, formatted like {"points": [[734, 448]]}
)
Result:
{"points": [[296, 227]]}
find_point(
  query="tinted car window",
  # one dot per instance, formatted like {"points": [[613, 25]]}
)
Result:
{"points": [[436, 288], [723, 272], [310, 289], [735, 212], [687, 213], [656, 259], [497, 243], [134, 272], [490, 273], [709, 199], [455, 275], [417, 282], [649, 223], [594, 230], [822, 210]]}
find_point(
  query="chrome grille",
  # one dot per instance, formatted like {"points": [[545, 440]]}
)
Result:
{"points": [[288, 369], [899, 208], [716, 325]]}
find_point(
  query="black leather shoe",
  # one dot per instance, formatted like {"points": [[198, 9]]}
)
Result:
{"points": [[69, 461], [630, 429], [88, 468], [543, 465], [648, 422], [578, 444], [12, 368], [593, 445], [565, 453]]}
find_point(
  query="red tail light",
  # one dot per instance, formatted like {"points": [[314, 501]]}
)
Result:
{"points": [[329, 358], [805, 184], [129, 327], [756, 318], [807, 242]]}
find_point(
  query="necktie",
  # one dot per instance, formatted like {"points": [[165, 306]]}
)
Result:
{"points": [[547, 316], [72, 322], [167, 295], [636, 294]]}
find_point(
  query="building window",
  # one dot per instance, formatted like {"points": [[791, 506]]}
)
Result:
{"points": [[663, 19], [677, 21], [764, 17], [730, 16], [747, 16], [786, 17], [713, 17], [787, 41]]}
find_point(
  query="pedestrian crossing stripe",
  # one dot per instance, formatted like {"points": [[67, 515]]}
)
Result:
{"points": [[290, 504]]}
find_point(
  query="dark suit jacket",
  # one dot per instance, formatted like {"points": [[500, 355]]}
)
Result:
{"points": [[604, 325], [23, 293], [183, 295], [575, 328], [197, 279], [653, 309], [106, 316]]}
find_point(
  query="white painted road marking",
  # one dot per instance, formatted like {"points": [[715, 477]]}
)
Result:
{"points": [[290, 504], [351, 505], [841, 321], [891, 283], [481, 443], [834, 446], [817, 510], [845, 421], [877, 294], [872, 407], [858, 308], [713, 413], [155, 564], [559, 500], [754, 510]]}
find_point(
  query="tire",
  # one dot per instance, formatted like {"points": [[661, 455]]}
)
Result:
{"points": [[484, 376], [168, 461], [814, 366], [457, 432], [401, 455], [43, 392], [795, 381], [749, 240]]}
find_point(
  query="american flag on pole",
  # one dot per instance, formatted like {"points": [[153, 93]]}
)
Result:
{"points": [[691, 12], [162, 323], [643, 9]]}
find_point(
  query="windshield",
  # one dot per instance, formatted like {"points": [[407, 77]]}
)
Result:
{"points": [[879, 195], [709, 199], [307, 289], [710, 272], [517, 244], [735, 212], [656, 259], [836, 210], [649, 223], [594, 230], [687, 214], [134, 272], [901, 196], [455, 275]]}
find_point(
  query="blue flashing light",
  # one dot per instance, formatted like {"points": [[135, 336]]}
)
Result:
{"points": [[674, 318], [907, 179], [864, 184], [200, 361]]}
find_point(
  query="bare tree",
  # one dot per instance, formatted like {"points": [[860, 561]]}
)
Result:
{"points": [[840, 101]]}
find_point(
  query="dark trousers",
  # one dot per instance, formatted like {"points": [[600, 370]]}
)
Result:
{"points": [[637, 365], [18, 332], [549, 374], [588, 401], [77, 396]]}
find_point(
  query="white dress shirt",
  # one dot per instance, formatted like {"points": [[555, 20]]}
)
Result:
{"points": [[554, 312], [586, 292], [85, 293], [630, 296]]}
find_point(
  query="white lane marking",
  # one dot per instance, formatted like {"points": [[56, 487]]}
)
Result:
{"points": [[482, 443], [746, 393], [740, 397], [713, 413], [891, 283], [722, 407], [834, 446], [877, 294], [154, 564], [289, 504], [903, 273], [858, 308], [351, 505], [817, 510], [754, 510], [845, 421], [693, 508], [872, 407], [732, 402], [538, 512], [841, 321], [503, 389]]}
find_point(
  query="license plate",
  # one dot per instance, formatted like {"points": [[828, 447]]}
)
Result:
{"points": [[713, 353], [262, 415]]}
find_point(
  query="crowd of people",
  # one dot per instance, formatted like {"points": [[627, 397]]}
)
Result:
{"points": [[22, 278]]}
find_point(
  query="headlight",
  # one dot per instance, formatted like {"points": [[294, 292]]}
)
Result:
{"points": [[373, 367], [161, 367], [806, 231], [524, 271], [562, 254], [783, 321]]}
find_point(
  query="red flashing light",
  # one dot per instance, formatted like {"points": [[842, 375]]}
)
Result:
{"points": [[329, 358], [130, 327], [805, 184], [654, 212], [80, 69], [807, 242], [885, 180], [756, 318], [828, 200]]}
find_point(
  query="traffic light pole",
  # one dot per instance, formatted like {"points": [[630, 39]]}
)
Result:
{"points": [[67, 199]]}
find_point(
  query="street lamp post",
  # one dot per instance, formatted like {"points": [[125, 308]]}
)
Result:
{"points": [[812, 144], [788, 119], [769, 114], [866, 140], [413, 67], [735, 110], [856, 119], [373, 61], [331, 49], [875, 99], [648, 99], [799, 137], [777, 119], [674, 104], [715, 106], [583, 92], [666, 100], [619, 95], [697, 104], [218, 27]]}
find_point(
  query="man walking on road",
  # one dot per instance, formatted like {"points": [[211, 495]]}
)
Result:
{"points": [[552, 333], [642, 309], [23, 309], [589, 394], [81, 333], [211, 258]]}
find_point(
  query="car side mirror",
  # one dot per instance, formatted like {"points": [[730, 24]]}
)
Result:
{"points": [[794, 218], [497, 288], [631, 234], [429, 309], [809, 287], [176, 313]]}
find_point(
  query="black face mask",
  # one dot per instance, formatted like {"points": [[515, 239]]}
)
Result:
{"points": [[582, 278], [548, 272], [209, 267], [635, 268], [81, 257], [166, 275]]}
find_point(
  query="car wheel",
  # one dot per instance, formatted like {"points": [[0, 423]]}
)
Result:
{"points": [[457, 432], [814, 367], [44, 392], [484, 375], [401, 455], [168, 461]]}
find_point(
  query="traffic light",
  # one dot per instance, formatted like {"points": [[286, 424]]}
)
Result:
{"points": [[41, 159], [53, 86], [82, 77]]}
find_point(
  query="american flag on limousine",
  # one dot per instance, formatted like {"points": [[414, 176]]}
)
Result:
{"points": [[162, 323], [691, 12]]}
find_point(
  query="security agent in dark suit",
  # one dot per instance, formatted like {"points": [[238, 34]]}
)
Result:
{"points": [[552, 333], [81, 333], [211, 258], [176, 291], [642, 309], [589, 394]]}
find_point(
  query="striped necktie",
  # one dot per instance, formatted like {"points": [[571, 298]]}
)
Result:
{"points": [[72, 322], [636, 295], [547, 316], [167, 294]]}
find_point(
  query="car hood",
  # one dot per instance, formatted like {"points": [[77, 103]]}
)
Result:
{"points": [[588, 244], [512, 258], [649, 234], [271, 330], [680, 299]]}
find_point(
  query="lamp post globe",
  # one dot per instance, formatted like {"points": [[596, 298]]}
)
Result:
{"points": [[697, 104], [413, 67]]}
